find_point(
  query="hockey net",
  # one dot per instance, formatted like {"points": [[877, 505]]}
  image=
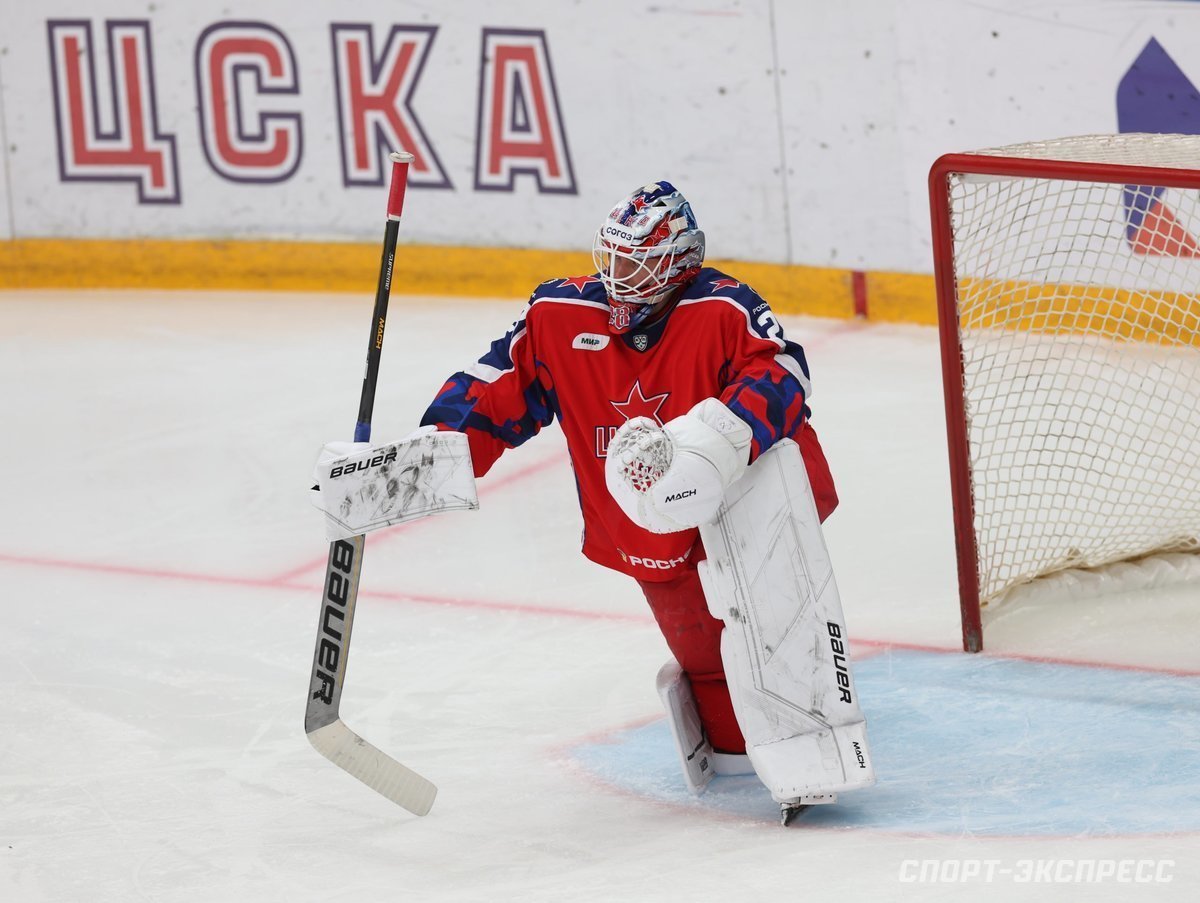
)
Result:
{"points": [[1068, 276]]}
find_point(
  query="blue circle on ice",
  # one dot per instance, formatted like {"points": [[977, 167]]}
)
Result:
{"points": [[976, 745]]}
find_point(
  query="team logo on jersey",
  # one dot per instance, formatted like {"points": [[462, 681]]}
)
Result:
{"points": [[619, 315], [636, 405], [578, 282], [640, 341], [590, 341], [639, 405]]}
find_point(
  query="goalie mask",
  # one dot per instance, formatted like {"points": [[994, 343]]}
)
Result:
{"points": [[648, 245]]}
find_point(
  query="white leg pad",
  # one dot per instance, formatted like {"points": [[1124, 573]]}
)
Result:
{"points": [[769, 577], [695, 752]]}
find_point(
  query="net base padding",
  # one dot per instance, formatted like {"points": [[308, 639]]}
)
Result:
{"points": [[1078, 584]]}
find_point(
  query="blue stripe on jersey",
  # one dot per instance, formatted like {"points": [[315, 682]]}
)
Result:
{"points": [[499, 354], [455, 407], [796, 353], [773, 407]]}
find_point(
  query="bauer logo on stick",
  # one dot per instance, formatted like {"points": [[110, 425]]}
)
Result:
{"points": [[333, 619]]}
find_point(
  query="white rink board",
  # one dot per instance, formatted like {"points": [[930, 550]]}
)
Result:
{"points": [[613, 120], [802, 132]]}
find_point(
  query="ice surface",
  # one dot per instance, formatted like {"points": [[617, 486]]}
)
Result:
{"points": [[162, 566]]}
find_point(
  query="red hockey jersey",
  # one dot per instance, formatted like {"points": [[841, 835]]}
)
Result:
{"points": [[560, 361]]}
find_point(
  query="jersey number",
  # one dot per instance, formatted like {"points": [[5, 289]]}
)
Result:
{"points": [[770, 326]]}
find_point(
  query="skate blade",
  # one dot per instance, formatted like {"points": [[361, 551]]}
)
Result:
{"points": [[791, 808], [788, 812]]}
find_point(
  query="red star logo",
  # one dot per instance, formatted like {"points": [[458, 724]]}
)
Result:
{"points": [[578, 282], [719, 284], [638, 405], [638, 203]]}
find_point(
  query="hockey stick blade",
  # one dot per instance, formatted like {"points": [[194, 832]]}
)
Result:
{"points": [[383, 774], [322, 720]]}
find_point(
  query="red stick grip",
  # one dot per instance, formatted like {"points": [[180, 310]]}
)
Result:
{"points": [[395, 204]]}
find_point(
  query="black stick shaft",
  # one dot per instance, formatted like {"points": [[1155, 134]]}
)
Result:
{"points": [[366, 403], [395, 204]]}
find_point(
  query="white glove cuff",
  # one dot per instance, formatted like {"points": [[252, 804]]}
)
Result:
{"points": [[715, 433]]}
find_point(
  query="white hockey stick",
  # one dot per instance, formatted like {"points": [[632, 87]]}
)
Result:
{"points": [[322, 721]]}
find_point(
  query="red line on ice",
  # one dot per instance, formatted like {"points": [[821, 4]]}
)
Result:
{"points": [[877, 647], [125, 570], [314, 588], [869, 647]]}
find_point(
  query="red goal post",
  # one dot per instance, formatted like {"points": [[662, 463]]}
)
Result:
{"points": [[1067, 275]]}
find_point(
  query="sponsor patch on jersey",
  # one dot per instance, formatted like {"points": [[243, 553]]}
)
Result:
{"points": [[654, 564], [590, 341]]}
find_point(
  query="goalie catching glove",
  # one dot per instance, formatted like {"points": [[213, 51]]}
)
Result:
{"points": [[674, 477]]}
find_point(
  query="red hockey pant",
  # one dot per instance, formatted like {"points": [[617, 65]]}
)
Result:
{"points": [[694, 636]]}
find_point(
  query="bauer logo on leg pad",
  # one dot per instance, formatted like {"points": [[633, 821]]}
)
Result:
{"points": [[839, 661]]}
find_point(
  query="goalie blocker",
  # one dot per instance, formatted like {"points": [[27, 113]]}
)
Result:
{"points": [[382, 485], [768, 576]]}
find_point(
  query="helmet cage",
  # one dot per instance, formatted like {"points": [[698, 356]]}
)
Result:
{"points": [[642, 275]]}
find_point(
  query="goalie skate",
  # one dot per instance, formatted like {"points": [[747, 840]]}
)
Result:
{"points": [[789, 809]]}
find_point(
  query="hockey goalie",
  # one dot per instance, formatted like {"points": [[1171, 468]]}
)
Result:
{"points": [[699, 475]]}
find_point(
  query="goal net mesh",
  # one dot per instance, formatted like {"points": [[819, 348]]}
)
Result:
{"points": [[1079, 322]]}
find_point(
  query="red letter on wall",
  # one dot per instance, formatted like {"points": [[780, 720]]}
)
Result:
{"points": [[520, 124], [130, 148], [374, 96], [237, 65]]}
